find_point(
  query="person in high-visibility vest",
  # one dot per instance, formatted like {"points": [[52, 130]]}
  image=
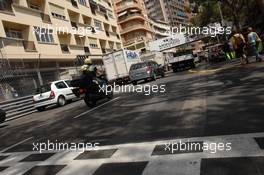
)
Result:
{"points": [[239, 43], [253, 41]]}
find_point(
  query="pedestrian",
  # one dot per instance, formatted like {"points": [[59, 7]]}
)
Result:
{"points": [[253, 42], [227, 50], [239, 43]]}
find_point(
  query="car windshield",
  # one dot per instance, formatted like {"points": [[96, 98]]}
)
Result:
{"points": [[43, 89], [138, 66]]}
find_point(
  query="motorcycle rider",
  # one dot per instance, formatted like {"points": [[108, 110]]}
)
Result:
{"points": [[88, 76]]}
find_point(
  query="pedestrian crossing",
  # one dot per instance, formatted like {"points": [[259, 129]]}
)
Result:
{"points": [[146, 158]]}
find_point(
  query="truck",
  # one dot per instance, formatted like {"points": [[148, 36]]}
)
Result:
{"points": [[118, 63], [181, 60], [158, 57]]}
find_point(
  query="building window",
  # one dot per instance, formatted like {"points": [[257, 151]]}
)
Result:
{"points": [[93, 43], [98, 25], [83, 2], [118, 45], [44, 35], [5, 5], [57, 12], [12, 33], [110, 14]]}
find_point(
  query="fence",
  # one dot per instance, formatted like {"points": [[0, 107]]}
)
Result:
{"points": [[19, 79]]}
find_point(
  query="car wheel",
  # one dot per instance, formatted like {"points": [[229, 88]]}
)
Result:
{"points": [[40, 109], [61, 101], [90, 103]]}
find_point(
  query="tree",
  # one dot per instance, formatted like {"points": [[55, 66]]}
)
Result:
{"points": [[240, 12]]}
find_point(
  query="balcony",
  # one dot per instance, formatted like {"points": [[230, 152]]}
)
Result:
{"points": [[128, 17], [29, 46], [128, 5], [134, 27]]}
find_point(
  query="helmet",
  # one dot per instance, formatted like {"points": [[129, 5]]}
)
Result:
{"points": [[87, 61], [84, 68]]}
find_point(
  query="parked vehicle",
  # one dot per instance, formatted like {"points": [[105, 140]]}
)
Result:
{"points": [[145, 71], [158, 57], [2, 115], [181, 60], [117, 65], [91, 96], [57, 92]]}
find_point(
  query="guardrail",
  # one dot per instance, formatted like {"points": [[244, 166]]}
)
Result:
{"points": [[18, 107]]}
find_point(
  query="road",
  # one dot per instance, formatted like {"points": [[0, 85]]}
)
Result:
{"points": [[222, 101]]}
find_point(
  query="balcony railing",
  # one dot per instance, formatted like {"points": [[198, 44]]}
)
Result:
{"points": [[129, 16], [134, 27], [29, 46], [128, 5], [64, 48]]}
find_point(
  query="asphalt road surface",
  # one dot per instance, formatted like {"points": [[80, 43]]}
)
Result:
{"points": [[209, 101]]}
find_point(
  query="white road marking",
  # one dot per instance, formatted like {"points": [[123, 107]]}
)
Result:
{"points": [[86, 112], [12, 146]]}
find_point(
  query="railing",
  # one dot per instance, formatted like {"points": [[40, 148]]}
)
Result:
{"points": [[127, 17], [127, 5], [136, 26], [28, 45]]}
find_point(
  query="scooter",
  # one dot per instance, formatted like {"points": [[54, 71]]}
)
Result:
{"points": [[100, 89]]}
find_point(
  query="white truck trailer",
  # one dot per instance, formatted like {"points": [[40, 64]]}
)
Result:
{"points": [[117, 65]]}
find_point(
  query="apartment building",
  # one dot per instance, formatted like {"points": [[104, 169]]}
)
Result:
{"points": [[134, 25], [161, 29], [175, 12], [47, 36]]}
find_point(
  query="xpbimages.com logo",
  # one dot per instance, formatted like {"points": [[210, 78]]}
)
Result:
{"points": [[145, 89]]}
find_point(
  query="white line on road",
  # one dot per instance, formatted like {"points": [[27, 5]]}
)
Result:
{"points": [[86, 112], [12, 146]]}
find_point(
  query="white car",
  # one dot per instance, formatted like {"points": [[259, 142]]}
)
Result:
{"points": [[57, 92]]}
